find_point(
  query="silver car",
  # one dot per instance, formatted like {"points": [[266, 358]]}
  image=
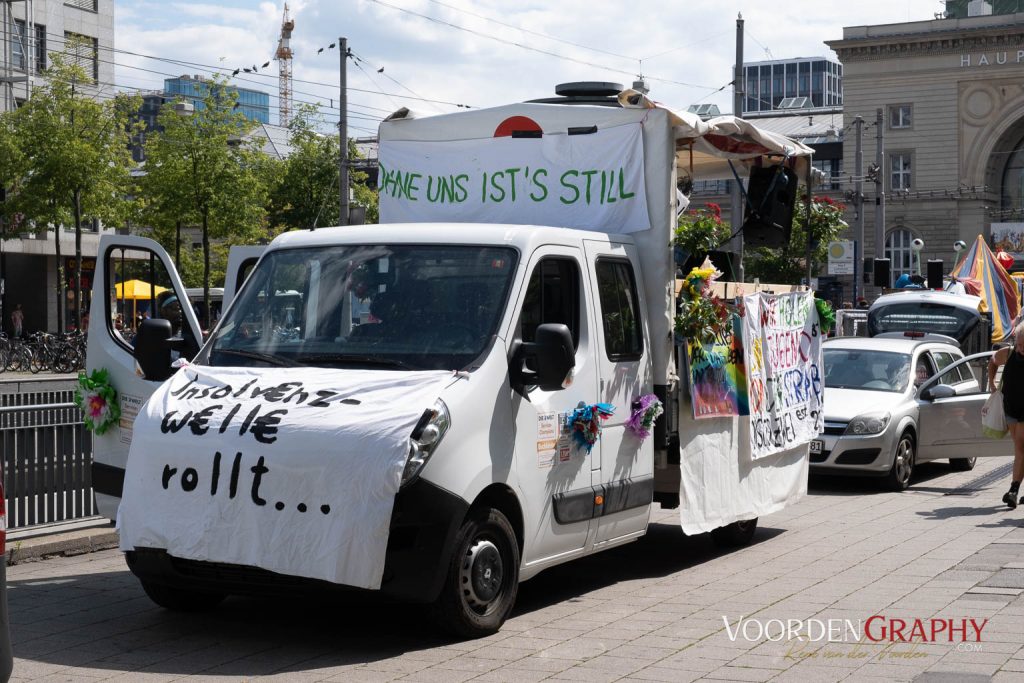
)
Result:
{"points": [[895, 400]]}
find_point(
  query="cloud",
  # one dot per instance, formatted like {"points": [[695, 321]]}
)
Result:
{"points": [[485, 63]]}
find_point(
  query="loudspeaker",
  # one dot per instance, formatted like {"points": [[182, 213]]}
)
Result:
{"points": [[869, 268], [882, 278], [934, 273], [768, 219]]}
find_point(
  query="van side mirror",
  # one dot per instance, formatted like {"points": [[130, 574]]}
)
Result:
{"points": [[153, 344], [552, 355]]}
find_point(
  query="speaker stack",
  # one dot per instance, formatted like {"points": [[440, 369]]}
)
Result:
{"points": [[934, 273], [882, 278], [771, 194]]}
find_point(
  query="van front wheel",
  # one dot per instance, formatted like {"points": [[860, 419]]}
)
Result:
{"points": [[181, 599], [483, 576]]}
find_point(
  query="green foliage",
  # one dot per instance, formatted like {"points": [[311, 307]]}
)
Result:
{"points": [[198, 170], [306, 192], [701, 231], [789, 264], [69, 159]]}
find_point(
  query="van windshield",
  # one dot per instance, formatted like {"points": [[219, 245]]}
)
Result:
{"points": [[923, 316], [398, 307]]}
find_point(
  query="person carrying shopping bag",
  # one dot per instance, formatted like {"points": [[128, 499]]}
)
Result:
{"points": [[1012, 385]]}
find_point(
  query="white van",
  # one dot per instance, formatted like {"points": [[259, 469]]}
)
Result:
{"points": [[440, 411]]}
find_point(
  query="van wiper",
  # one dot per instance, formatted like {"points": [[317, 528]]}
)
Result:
{"points": [[256, 355], [355, 358]]}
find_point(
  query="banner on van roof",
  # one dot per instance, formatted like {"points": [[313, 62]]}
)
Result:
{"points": [[591, 181], [293, 470]]}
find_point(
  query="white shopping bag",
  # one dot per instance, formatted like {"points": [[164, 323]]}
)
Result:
{"points": [[993, 420]]}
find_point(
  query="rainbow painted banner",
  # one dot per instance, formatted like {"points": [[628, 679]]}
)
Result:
{"points": [[718, 383], [782, 339]]}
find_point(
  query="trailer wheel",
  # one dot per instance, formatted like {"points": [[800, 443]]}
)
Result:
{"points": [[181, 599], [736, 534], [483, 576]]}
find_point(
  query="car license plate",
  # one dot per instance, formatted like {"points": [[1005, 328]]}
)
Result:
{"points": [[817, 446]]}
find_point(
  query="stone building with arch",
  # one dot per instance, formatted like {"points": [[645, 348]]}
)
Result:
{"points": [[951, 93]]}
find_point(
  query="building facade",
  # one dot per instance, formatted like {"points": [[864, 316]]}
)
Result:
{"points": [[807, 82], [949, 93], [30, 31], [254, 104]]}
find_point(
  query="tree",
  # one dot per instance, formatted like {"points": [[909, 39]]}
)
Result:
{"points": [[789, 264], [77, 158], [306, 195], [198, 168]]}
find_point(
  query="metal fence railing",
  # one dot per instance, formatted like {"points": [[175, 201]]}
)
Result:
{"points": [[47, 455]]}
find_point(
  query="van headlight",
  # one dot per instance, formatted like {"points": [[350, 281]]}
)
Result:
{"points": [[425, 438], [869, 423]]}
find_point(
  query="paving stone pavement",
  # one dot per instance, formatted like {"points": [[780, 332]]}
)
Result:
{"points": [[652, 610]]}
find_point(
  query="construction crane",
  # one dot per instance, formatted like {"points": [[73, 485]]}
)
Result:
{"points": [[284, 61]]}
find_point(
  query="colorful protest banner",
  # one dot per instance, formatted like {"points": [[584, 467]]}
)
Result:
{"points": [[590, 182], [718, 383], [782, 345]]}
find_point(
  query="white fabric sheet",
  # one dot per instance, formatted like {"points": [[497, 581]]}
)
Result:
{"points": [[590, 182], [310, 462], [720, 483]]}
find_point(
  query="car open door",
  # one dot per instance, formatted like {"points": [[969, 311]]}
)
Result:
{"points": [[134, 280], [950, 412], [241, 261]]}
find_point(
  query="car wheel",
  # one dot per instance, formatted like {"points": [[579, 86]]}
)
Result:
{"points": [[483, 576], [962, 464], [902, 464], [736, 534], [181, 599]]}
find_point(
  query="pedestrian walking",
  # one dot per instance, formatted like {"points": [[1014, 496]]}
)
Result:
{"points": [[18, 320], [1012, 360]]}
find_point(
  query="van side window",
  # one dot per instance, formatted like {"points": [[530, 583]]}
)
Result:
{"points": [[552, 296], [139, 287], [620, 310]]}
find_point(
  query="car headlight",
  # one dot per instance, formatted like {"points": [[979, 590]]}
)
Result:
{"points": [[869, 423], [426, 436]]}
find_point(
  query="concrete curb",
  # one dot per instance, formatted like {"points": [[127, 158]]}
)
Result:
{"points": [[64, 544]]}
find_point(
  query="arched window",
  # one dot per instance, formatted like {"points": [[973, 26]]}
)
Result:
{"points": [[899, 253], [1012, 198]]}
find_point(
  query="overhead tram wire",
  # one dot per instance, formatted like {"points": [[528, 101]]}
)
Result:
{"points": [[227, 71], [380, 70], [534, 33], [531, 48]]}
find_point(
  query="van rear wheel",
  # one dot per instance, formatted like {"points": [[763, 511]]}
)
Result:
{"points": [[736, 534], [181, 599], [483, 576]]}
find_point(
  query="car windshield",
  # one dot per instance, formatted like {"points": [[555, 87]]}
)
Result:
{"points": [[867, 370], [396, 307], [922, 316]]}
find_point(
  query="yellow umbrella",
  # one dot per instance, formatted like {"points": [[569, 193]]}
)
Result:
{"points": [[137, 289]]}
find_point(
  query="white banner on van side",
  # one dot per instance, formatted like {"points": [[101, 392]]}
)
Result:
{"points": [[293, 470], [785, 387], [593, 181]]}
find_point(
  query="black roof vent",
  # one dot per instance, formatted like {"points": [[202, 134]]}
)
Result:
{"points": [[585, 92], [588, 89]]}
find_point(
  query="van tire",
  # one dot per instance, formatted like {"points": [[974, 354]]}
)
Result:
{"points": [[181, 599], [473, 603], [736, 534]]}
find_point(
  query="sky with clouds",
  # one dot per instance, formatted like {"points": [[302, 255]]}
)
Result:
{"points": [[480, 52]]}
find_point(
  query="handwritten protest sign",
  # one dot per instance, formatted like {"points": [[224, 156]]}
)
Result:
{"points": [[718, 383], [591, 182], [293, 470], [785, 389]]}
